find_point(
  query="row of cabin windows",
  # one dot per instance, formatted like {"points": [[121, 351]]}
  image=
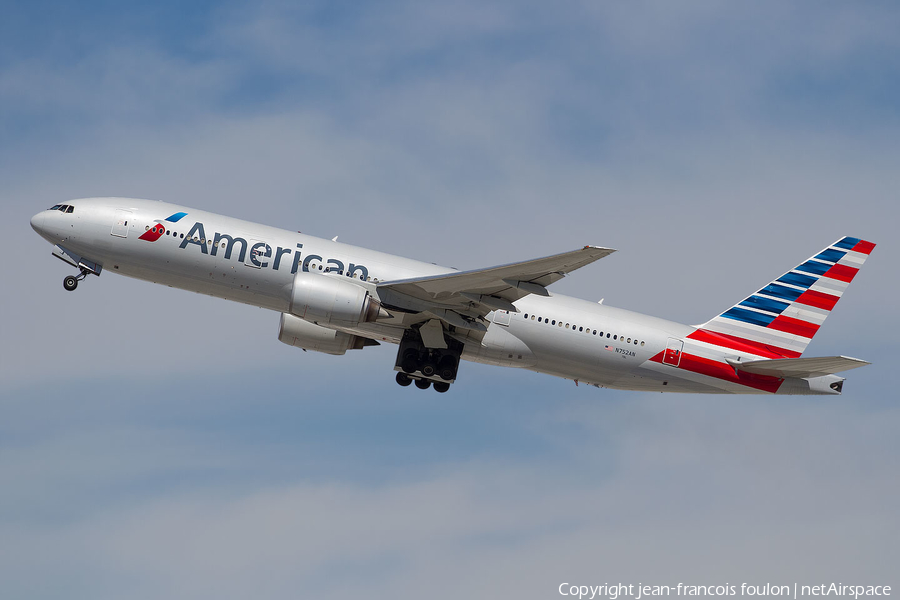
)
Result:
{"points": [[614, 336], [66, 208], [172, 233]]}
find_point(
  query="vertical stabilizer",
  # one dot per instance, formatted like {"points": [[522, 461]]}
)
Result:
{"points": [[779, 320]]}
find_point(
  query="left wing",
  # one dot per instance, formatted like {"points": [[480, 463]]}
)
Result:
{"points": [[462, 298]]}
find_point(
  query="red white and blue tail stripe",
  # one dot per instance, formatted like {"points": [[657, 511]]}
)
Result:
{"points": [[779, 320]]}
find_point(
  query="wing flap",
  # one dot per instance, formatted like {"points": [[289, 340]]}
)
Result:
{"points": [[800, 367]]}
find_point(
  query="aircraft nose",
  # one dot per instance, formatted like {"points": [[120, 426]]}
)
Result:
{"points": [[37, 222]]}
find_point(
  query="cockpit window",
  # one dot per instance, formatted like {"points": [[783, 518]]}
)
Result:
{"points": [[71, 209], [63, 207], [55, 207]]}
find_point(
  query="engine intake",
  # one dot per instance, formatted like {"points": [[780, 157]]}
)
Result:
{"points": [[332, 301], [294, 331]]}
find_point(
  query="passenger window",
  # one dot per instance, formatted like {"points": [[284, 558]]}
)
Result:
{"points": [[539, 319], [581, 329], [567, 325], [615, 337], [629, 340], [595, 332], [642, 343], [532, 317], [554, 322], [526, 315]]}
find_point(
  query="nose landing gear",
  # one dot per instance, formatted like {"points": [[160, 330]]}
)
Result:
{"points": [[70, 282]]}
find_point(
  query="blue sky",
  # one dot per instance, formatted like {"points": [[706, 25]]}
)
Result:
{"points": [[159, 443]]}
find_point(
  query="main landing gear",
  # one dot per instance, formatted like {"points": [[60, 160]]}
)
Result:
{"points": [[70, 282], [423, 384], [427, 367]]}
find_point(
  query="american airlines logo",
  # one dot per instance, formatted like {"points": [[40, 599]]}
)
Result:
{"points": [[159, 230], [261, 253]]}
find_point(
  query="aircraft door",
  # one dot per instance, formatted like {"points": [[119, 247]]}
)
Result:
{"points": [[258, 254], [120, 224], [672, 355]]}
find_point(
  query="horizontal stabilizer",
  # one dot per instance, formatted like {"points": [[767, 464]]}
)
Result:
{"points": [[800, 367]]}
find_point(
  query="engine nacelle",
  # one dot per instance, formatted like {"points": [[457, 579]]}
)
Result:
{"points": [[330, 300], [294, 331]]}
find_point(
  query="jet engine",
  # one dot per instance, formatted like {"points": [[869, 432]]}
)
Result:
{"points": [[294, 331], [328, 300]]}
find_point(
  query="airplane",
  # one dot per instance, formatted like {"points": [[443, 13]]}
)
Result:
{"points": [[333, 297]]}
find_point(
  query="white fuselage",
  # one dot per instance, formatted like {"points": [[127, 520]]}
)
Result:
{"points": [[559, 335]]}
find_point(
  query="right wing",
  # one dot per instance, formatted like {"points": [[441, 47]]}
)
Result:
{"points": [[462, 298]]}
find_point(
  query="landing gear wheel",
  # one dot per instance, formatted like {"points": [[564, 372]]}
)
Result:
{"points": [[70, 283], [428, 369], [423, 384], [410, 363], [441, 386], [403, 379], [446, 368]]}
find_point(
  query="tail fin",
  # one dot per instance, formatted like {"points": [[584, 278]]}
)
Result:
{"points": [[779, 320]]}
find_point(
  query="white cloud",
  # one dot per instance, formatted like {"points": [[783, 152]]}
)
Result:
{"points": [[688, 491]]}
